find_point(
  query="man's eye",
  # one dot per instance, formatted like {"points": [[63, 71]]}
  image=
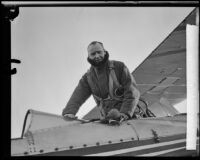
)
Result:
{"points": [[99, 52]]}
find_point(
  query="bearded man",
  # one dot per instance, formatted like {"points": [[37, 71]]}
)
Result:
{"points": [[111, 84]]}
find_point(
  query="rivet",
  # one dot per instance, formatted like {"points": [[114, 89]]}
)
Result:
{"points": [[121, 140], [109, 141], [56, 149], [41, 150], [85, 145], [25, 153], [70, 147], [97, 143], [132, 138]]}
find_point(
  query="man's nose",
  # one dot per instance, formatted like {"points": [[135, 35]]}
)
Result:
{"points": [[96, 55]]}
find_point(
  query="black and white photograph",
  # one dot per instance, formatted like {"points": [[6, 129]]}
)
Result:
{"points": [[101, 78]]}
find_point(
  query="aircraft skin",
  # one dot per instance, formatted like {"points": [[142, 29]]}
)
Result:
{"points": [[153, 136], [162, 83]]}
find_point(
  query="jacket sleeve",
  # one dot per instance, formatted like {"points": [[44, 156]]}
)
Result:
{"points": [[81, 93], [131, 93]]}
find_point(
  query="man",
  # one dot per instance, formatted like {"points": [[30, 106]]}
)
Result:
{"points": [[110, 83]]}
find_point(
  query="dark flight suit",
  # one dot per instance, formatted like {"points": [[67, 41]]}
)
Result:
{"points": [[100, 90]]}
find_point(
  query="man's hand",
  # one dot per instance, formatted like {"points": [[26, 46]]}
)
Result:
{"points": [[123, 117], [69, 117]]}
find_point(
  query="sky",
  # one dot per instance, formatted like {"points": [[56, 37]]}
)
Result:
{"points": [[52, 46]]}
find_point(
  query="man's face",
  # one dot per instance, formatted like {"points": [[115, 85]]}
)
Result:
{"points": [[96, 52]]}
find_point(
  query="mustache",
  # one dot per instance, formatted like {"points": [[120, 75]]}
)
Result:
{"points": [[98, 59]]}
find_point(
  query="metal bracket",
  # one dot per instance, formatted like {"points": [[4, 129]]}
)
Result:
{"points": [[155, 134]]}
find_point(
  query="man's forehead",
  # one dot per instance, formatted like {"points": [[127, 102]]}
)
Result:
{"points": [[95, 47]]}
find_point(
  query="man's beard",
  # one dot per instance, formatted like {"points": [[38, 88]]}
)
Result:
{"points": [[98, 64]]}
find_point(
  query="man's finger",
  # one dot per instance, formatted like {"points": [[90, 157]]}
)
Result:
{"points": [[69, 118]]}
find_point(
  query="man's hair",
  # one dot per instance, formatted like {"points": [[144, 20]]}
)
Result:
{"points": [[95, 42]]}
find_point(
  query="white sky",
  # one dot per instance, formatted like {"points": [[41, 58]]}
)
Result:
{"points": [[52, 46]]}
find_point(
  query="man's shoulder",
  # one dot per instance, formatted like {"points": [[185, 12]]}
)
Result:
{"points": [[86, 74], [117, 63], [89, 70]]}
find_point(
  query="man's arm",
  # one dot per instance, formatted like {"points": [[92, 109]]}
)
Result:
{"points": [[81, 93], [131, 93]]}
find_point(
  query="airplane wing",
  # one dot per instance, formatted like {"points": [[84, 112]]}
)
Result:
{"points": [[48, 134], [161, 77]]}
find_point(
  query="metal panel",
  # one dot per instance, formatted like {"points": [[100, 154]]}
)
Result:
{"points": [[163, 128], [41, 120], [164, 83], [19, 147], [78, 135]]}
